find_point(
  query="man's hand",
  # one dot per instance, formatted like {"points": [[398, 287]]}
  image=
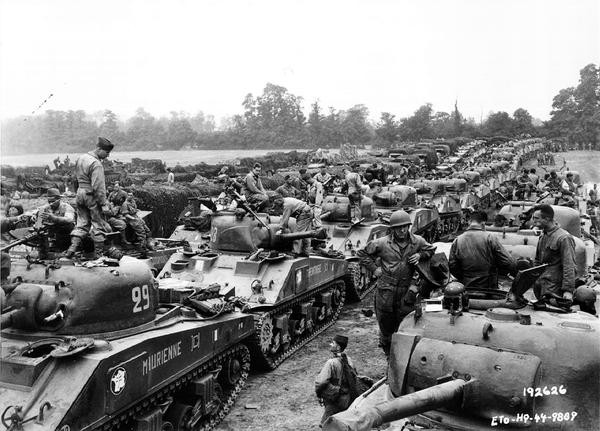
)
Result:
{"points": [[106, 210], [48, 218], [414, 259], [377, 273], [568, 296]]}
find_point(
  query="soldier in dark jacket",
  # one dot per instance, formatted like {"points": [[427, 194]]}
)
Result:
{"points": [[556, 248], [477, 256], [392, 259]]}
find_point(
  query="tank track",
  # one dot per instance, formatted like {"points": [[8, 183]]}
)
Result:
{"points": [[352, 294], [272, 362], [120, 421]]}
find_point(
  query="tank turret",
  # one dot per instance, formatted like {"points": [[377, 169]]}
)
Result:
{"points": [[99, 345], [485, 369], [291, 298]]}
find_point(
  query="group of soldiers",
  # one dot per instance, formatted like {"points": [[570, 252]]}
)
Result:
{"points": [[96, 213]]}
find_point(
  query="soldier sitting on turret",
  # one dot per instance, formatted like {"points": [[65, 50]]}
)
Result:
{"points": [[116, 219], [255, 192], [129, 210], [59, 219], [287, 189]]}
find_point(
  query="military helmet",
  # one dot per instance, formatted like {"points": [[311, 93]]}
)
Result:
{"points": [[53, 193], [399, 218], [584, 294]]}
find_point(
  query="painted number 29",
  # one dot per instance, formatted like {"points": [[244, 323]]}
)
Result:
{"points": [[141, 298]]}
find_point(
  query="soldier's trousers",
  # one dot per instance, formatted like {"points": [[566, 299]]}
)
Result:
{"points": [[331, 408], [355, 199], [303, 224], [390, 308], [139, 229], [89, 215]]}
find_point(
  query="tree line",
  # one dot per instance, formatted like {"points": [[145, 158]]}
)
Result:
{"points": [[275, 119]]}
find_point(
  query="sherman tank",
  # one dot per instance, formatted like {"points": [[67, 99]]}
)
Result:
{"points": [[456, 366], [433, 194], [100, 346], [346, 238], [291, 299]]}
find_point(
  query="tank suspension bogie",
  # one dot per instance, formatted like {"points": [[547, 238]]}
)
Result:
{"points": [[291, 324], [199, 400]]}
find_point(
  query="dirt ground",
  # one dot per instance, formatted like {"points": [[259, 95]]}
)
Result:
{"points": [[286, 397]]}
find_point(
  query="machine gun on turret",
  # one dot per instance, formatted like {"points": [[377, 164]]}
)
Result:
{"points": [[25, 239]]}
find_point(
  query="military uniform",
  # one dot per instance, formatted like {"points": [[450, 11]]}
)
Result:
{"points": [[255, 192], [91, 197], [390, 302], [354, 193], [476, 256], [59, 225], [303, 214], [129, 211], [287, 191], [329, 383], [557, 249], [117, 220]]}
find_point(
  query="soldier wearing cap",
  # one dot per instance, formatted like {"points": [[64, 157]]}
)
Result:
{"points": [[58, 218], [392, 259], [330, 387], [91, 200]]}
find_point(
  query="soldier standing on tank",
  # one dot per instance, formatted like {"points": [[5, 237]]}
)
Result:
{"points": [[392, 260], [91, 200], [476, 256], [330, 386], [59, 219], [355, 185], [556, 248]]}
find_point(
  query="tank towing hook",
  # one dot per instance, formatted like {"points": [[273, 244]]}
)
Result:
{"points": [[17, 418]]}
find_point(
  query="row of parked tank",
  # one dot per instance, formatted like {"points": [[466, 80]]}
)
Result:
{"points": [[116, 346]]}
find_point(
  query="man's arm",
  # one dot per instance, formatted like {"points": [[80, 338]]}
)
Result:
{"points": [[97, 182], [567, 252], [368, 256], [285, 217], [454, 262], [251, 185], [504, 259], [426, 250]]}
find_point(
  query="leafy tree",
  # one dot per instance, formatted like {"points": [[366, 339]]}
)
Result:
{"points": [[109, 128], [419, 125], [355, 126], [180, 132], [498, 123], [387, 129], [522, 122]]}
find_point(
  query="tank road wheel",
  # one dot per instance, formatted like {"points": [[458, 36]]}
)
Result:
{"points": [[265, 333], [232, 371], [179, 415]]}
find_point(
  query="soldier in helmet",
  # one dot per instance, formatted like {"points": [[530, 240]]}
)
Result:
{"points": [[91, 200], [392, 259], [59, 219]]}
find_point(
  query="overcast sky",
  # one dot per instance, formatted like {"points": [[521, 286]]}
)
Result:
{"points": [[390, 55]]}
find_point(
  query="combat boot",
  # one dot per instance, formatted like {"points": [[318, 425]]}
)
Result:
{"points": [[75, 244], [123, 237], [149, 244], [98, 249]]}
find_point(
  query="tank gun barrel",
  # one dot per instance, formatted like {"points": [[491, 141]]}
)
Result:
{"points": [[292, 236], [371, 416]]}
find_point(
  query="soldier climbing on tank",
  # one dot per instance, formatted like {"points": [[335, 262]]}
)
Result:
{"points": [[58, 220], [302, 212], [330, 385], [91, 200], [476, 256], [392, 260], [355, 185], [255, 192]]}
